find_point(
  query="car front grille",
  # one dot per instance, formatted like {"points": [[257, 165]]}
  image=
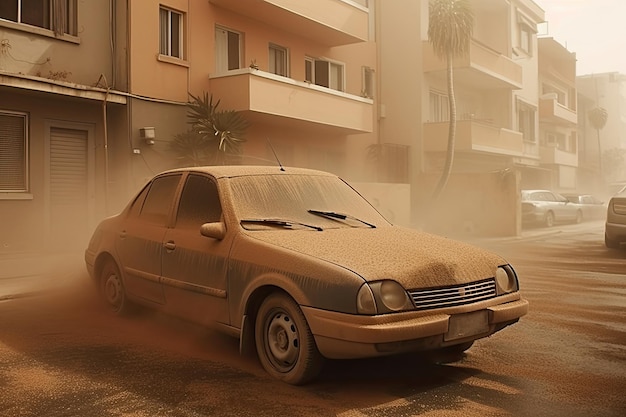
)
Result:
{"points": [[431, 298]]}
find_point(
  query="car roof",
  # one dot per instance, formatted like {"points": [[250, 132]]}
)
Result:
{"points": [[229, 171]]}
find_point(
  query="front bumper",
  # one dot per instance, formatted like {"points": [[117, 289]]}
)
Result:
{"points": [[345, 336], [615, 231]]}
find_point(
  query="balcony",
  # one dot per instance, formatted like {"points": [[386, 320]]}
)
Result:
{"points": [[330, 22], [551, 111], [481, 68], [551, 155], [274, 100], [474, 136]]}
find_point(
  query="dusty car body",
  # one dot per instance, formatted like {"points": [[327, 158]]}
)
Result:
{"points": [[545, 207], [297, 265], [592, 207], [615, 227]]}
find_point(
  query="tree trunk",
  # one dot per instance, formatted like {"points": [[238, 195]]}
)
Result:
{"points": [[447, 169]]}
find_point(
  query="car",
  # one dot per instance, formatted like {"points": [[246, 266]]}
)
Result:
{"points": [[615, 227], [299, 266], [592, 207], [545, 207]]}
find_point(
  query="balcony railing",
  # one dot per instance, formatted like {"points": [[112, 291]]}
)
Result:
{"points": [[474, 136], [482, 67], [551, 110], [552, 155], [281, 101], [330, 22]]}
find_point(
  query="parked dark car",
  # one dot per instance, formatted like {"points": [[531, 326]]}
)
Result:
{"points": [[299, 266], [615, 228], [546, 208], [592, 207]]}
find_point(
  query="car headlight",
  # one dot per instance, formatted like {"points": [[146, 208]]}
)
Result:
{"points": [[385, 296], [506, 280], [365, 302]]}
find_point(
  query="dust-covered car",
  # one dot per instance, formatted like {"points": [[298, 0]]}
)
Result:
{"points": [[615, 228], [592, 207], [545, 207], [299, 266]]}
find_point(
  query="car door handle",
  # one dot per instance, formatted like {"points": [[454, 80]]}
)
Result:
{"points": [[169, 245]]}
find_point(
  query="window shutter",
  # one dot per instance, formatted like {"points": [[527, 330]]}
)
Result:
{"points": [[12, 152]]}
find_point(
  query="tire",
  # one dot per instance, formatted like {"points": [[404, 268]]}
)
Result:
{"points": [[579, 217], [457, 349], [549, 219], [284, 341], [452, 353], [112, 289], [611, 244]]}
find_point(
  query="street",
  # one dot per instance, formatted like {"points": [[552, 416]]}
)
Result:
{"points": [[63, 354]]}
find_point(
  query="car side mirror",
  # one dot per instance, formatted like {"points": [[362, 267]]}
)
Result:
{"points": [[214, 230]]}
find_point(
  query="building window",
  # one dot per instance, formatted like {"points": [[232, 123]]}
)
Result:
{"points": [[439, 107], [526, 116], [279, 60], [527, 29], [367, 87], [227, 49], [171, 33], [13, 152], [56, 15], [324, 73]]}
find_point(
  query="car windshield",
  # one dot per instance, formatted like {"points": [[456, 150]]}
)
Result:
{"points": [[301, 198]]}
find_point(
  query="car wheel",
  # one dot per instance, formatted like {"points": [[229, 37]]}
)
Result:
{"points": [[284, 341], [112, 289], [549, 219], [611, 244], [579, 216]]}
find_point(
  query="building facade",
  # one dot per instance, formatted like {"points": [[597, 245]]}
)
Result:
{"points": [[93, 93]]}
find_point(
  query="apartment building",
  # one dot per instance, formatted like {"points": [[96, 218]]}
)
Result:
{"points": [[558, 116], [92, 94], [496, 89], [58, 112], [608, 91]]}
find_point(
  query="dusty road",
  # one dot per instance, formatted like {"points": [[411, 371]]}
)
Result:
{"points": [[63, 354]]}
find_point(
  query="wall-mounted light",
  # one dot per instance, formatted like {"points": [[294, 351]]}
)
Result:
{"points": [[148, 134]]}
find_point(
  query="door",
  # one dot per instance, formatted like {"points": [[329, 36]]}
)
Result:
{"points": [[140, 238], [68, 188], [194, 266]]}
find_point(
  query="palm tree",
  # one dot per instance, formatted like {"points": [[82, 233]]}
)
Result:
{"points": [[216, 136], [450, 28], [598, 117]]}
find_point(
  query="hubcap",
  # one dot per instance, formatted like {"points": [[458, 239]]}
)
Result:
{"points": [[282, 340], [113, 290]]}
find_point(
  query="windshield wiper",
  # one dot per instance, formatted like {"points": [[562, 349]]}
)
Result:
{"points": [[284, 223], [340, 216]]}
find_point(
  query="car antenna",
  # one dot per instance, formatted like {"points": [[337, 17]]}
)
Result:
{"points": [[275, 156]]}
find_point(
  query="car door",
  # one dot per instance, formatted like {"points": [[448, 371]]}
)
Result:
{"points": [[140, 240], [194, 266], [563, 209]]}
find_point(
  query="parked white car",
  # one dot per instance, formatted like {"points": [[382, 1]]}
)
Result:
{"points": [[546, 208]]}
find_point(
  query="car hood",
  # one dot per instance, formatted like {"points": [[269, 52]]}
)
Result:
{"points": [[414, 259]]}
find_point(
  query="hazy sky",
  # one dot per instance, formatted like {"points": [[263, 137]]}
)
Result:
{"points": [[594, 29]]}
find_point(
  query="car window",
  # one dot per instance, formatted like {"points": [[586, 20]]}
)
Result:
{"points": [[159, 199], [199, 202], [135, 208], [290, 197], [548, 197]]}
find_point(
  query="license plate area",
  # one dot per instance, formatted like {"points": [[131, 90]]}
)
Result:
{"points": [[467, 324]]}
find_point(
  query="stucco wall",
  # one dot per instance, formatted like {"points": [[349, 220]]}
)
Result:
{"points": [[474, 204]]}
